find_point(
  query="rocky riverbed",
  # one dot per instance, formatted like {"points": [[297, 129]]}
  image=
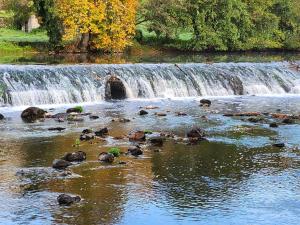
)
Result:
{"points": [[178, 161]]}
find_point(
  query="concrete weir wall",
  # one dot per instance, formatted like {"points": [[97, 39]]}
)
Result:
{"points": [[32, 24]]}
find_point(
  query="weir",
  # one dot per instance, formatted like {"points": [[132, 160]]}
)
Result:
{"points": [[35, 84]]}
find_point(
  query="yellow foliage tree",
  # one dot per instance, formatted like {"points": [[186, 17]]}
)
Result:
{"points": [[107, 25]]}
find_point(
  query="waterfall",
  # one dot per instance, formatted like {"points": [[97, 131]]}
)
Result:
{"points": [[35, 85]]}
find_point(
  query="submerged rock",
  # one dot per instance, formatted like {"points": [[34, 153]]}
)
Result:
{"points": [[32, 114], [60, 164], [94, 117], [279, 145], [196, 133], [135, 150], [102, 132], [160, 114], [288, 121], [106, 157], [157, 141], [87, 131], [75, 156], [56, 128], [87, 137], [137, 136], [205, 102], [1, 117], [255, 119], [67, 200], [273, 125], [243, 114], [181, 114], [143, 112]]}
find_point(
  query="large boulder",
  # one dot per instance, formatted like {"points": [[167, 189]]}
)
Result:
{"points": [[137, 136], [32, 114], [106, 157], [87, 137], [1, 117], [75, 156], [61, 164], [67, 200]]}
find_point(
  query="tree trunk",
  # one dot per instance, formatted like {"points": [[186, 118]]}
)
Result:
{"points": [[84, 44]]}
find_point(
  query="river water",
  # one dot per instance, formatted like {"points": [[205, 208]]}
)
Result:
{"points": [[236, 177]]}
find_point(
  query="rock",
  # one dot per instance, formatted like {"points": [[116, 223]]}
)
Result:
{"points": [[101, 133], [122, 163], [56, 129], [181, 114], [273, 125], [94, 117], [279, 145], [196, 133], [1, 117], [121, 120], [151, 107], [75, 156], [60, 164], [87, 137], [67, 200], [143, 112], [288, 121], [87, 131], [160, 114], [255, 119], [32, 114], [280, 116], [106, 157], [205, 102], [243, 114], [73, 118], [60, 120], [74, 110], [157, 141], [137, 136], [124, 120], [135, 150]]}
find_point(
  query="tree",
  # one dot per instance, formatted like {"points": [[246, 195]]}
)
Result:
{"points": [[50, 21], [22, 10], [97, 24]]}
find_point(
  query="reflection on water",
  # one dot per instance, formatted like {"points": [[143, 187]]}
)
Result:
{"points": [[236, 177], [154, 56]]}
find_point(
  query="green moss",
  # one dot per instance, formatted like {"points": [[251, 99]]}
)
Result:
{"points": [[79, 108], [115, 151]]}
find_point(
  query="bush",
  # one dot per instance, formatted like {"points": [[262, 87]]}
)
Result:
{"points": [[115, 151]]}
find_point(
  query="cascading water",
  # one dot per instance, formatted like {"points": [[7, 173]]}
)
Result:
{"points": [[35, 85]]}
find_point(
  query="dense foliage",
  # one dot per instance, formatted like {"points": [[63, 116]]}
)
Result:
{"points": [[225, 24], [198, 25]]}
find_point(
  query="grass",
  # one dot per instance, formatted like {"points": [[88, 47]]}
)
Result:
{"points": [[182, 36], [5, 14], [16, 36], [6, 47]]}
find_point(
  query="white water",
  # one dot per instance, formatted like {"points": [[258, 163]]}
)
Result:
{"points": [[40, 85]]}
